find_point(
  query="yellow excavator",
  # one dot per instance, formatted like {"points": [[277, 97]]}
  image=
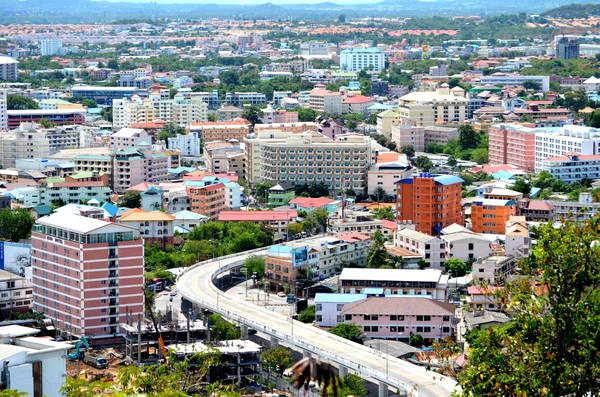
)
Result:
{"points": [[161, 342]]}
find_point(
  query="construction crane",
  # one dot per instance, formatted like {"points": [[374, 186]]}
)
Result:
{"points": [[161, 342], [78, 353]]}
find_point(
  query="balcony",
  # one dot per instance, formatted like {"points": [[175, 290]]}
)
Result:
{"points": [[113, 274], [113, 302]]}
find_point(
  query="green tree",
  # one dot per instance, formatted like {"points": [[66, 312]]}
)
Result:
{"points": [[307, 114], [451, 162], [131, 199], [424, 163], [423, 264], [480, 156], [521, 185], [386, 213], [222, 329], [576, 100], [277, 359], [44, 122], [164, 136], [294, 229], [253, 114], [18, 102], [351, 120], [455, 267], [342, 18], [350, 331], [409, 150], [532, 85], [112, 64], [15, 224], [255, 264], [262, 191], [550, 346], [308, 315], [467, 138], [350, 385], [321, 216], [416, 340], [595, 119], [377, 256]]}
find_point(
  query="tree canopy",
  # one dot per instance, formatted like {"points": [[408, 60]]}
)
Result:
{"points": [[131, 199], [18, 102], [15, 224], [349, 331]]}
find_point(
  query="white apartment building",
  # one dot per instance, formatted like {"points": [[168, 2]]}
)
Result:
{"points": [[494, 269], [222, 157], [128, 138], [466, 246], [8, 69], [515, 80], [26, 142], [356, 222], [573, 167], [325, 101], [571, 139], [430, 248], [253, 144], [328, 307], [314, 49], [188, 145], [50, 46], [3, 111], [356, 59], [395, 282], [304, 158], [69, 137], [17, 293], [184, 111], [134, 110], [385, 175], [240, 98], [427, 108]]}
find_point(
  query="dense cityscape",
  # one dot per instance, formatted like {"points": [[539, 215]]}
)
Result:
{"points": [[283, 200]]}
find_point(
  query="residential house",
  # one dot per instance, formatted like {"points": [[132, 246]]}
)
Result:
{"points": [[155, 227]]}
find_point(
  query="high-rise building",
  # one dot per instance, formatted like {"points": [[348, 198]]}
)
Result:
{"points": [[571, 139], [8, 69], [3, 111], [430, 202], [512, 144], [188, 145], [356, 59], [50, 46], [88, 274], [567, 47], [429, 108], [26, 142]]}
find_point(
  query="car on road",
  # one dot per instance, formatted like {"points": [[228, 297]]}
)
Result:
{"points": [[281, 294], [173, 293]]}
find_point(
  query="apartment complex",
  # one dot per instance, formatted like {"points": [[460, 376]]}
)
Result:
{"points": [[128, 138], [241, 98], [223, 157], [73, 189], [87, 274], [50, 46], [430, 108], [512, 144], [356, 59], [16, 296], [26, 142], [136, 165], [431, 202], [253, 150], [294, 128], [571, 139], [303, 159], [3, 111], [567, 47], [420, 136], [573, 167], [155, 227], [207, 200], [428, 283], [515, 80], [357, 104], [221, 131], [188, 145], [8, 69], [430, 248], [491, 215], [323, 100]]}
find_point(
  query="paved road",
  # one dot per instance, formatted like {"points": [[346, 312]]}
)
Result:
{"points": [[196, 285]]}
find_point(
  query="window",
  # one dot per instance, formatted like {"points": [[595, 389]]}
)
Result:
{"points": [[339, 307], [367, 317], [319, 307], [446, 318], [420, 329], [374, 317], [446, 330], [319, 318], [348, 317], [367, 328], [423, 318], [427, 329], [374, 328], [470, 246]]}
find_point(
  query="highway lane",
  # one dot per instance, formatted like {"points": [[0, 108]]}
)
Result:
{"points": [[196, 285]]}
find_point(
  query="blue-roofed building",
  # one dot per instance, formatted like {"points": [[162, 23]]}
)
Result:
{"points": [[179, 172], [110, 209], [430, 201]]}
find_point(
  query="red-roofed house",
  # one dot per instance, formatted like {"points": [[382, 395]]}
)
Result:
{"points": [[278, 220], [480, 298], [357, 104], [573, 167], [154, 226], [309, 204], [537, 211]]}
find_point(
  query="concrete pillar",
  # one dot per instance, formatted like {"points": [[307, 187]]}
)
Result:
{"points": [[243, 332], [383, 389], [305, 354], [274, 341], [343, 371]]}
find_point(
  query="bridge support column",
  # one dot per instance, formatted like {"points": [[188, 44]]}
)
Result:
{"points": [[305, 354], [243, 332], [343, 371], [383, 390], [274, 341]]}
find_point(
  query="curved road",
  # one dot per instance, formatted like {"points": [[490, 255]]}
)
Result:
{"points": [[196, 285]]}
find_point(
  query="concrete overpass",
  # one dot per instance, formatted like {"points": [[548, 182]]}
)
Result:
{"points": [[196, 284]]}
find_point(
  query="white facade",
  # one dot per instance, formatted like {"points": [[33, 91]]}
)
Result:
{"points": [[50, 46], [573, 168], [16, 291], [385, 176], [3, 113], [9, 69], [128, 138], [329, 306], [26, 142], [466, 246], [338, 251], [188, 145], [233, 195], [571, 139], [514, 80], [314, 48], [356, 59], [431, 249]]}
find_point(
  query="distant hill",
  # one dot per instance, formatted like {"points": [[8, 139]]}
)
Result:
{"points": [[574, 11]]}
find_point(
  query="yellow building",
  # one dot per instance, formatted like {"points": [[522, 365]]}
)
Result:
{"points": [[445, 105]]}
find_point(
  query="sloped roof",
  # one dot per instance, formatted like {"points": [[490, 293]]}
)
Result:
{"points": [[407, 306]]}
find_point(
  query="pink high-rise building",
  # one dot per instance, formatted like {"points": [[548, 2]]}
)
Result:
{"points": [[88, 274], [512, 144]]}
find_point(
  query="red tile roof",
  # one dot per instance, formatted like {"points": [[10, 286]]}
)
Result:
{"points": [[308, 202], [393, 225], [351, 237], [358, 99], [406, 306], [539, 206], [257, 216], [475, 290]]}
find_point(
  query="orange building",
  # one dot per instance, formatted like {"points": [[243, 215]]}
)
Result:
{"points": [[207, 200], [431, 202], [490, 216]]}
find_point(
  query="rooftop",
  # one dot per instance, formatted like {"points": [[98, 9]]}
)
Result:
{"points": [[140, 215], [414, 235], [338, 298], [407, 306], [79, 224], [428, 275], [257, 216], [308, 202]]}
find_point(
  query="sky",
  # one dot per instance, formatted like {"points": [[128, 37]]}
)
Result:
{"points": [[248, 2]]}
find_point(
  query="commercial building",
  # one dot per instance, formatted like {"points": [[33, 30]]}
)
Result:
{"points": [[241, 98], [208, 200], [103, 96], [26, 142], [571, 139], [280, 195], [50, 46], [253, 145], [431, 249], [32, 366], [221, 131], [56, 116], [512, 144], [431, 202], [356, 59], [323, 100], [356, 222], [294, 128], [429, 108], [573, 167], [283, 264], [328, 307], [88, 274], [227, 113], [335, 252], [567, 47], [314, 49], [490, 216], [155, 227], [8, 69], [515, 80], [303, 159], [3, 111], [399, 317], [428, 283], [357, 104]]}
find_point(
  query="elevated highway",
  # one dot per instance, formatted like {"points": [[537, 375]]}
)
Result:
{"points": [[197, 284]]}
